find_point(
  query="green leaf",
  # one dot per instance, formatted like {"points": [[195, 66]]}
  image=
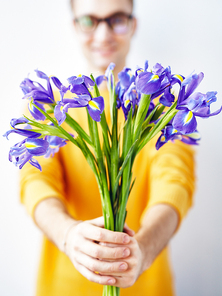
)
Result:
{"points": [[157, 128], [77, 128], [141, 114], [158, 113], [126, 159]]}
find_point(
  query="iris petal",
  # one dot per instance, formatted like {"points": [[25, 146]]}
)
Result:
{"points": [[185, 122], [148, 83], [36, 146], [96, 107]]}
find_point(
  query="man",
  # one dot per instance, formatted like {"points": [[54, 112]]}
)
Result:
{"points": [[64, 200]]}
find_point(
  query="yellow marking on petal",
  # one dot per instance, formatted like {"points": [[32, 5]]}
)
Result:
{"points": [[179, 77], [93, 105], [155, 77], [126, 103], [61, 108], [174, 131], [80, 75], [30, 145], [163, 139], [188, 117]]}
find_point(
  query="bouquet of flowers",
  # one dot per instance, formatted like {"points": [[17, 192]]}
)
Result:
{"points": [[150, 106]]}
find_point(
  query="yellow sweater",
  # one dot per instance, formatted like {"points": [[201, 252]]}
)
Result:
{"points": [[164, 176]]}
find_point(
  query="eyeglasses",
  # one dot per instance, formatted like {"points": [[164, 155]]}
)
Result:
{"points": [[118, 23]]}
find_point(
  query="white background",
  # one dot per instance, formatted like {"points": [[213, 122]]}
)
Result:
{"points": [[187, 35]]}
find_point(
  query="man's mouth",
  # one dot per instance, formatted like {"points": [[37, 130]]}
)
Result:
{"points": [[104, 51]]}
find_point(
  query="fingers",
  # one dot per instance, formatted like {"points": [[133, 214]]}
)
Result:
{"points": [[104, 252], [106, 267], [127, 230], [93, 277], [100, 222], [98, 253], [95, 233]]}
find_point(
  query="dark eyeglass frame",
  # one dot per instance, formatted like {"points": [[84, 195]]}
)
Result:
{"points": [[108, 21]]}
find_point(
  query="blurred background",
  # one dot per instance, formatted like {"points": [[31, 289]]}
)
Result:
{"points": [[187, 35]]}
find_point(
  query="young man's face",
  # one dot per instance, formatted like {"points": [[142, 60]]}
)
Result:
{"points": [[104, 43]]}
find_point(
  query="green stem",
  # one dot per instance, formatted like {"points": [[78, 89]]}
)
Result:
{"points": [[77, 128], [158, 127], [126, 175]]}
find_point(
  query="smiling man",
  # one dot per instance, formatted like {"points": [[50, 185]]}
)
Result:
{"points": [[104, 30], [79, 256]]}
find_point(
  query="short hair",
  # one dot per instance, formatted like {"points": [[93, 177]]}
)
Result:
{"points": [[71, 3]]}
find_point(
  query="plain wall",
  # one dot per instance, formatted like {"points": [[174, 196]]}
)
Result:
{"points": [[187, 35]]}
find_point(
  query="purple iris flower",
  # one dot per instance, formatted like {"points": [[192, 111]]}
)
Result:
{"points": [[191, 105], [150, 82], [54, 144], [109, 69], [108, 72], [155, 82], [139, 69], [39, 94], [167, 98], [60, 112], [125, 97], [35, 90], [80, 85], [35, 112], [130, 98], [62, 88], [22, 132], [126, 78], [62, 108], [23, 152], [169, 133], [95, 106], [188, 86], [82, 98], [99, 79]]}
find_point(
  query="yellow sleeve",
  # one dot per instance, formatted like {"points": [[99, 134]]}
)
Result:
{"points": [[171, 176], [36, 186]]}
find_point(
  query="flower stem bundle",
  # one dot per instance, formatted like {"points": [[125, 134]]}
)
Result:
{"points": [[150, 108]]}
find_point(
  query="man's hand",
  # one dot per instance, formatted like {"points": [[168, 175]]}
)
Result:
{"points": [[100, 254], [158, 226], [103, 256], [134, 262]]}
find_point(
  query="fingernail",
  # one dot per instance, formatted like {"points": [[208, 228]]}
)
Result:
{"points": [[126, 239], [110, 282], [122, 266], [126, 253]]}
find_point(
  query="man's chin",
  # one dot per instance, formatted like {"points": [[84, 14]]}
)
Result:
{"points": [[103, 62], [104, 58]]}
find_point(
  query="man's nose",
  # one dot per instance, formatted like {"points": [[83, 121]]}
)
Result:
{"points": [[103, 32]]}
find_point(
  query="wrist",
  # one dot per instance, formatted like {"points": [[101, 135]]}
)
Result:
{"points": [[66, 233], [147, 250]]}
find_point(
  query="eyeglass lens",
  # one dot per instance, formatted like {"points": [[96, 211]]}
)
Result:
{"points": [[119, 23]]}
